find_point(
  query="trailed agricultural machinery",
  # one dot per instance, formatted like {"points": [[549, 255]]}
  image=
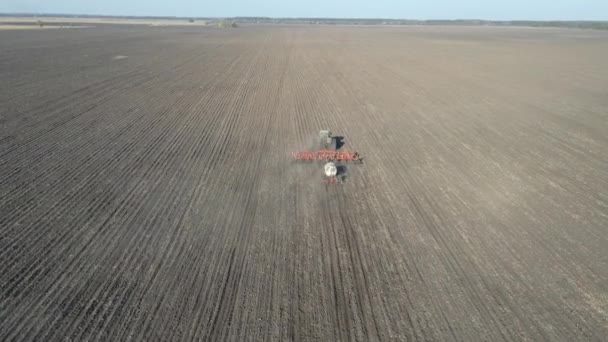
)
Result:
{"points": [[332, 155]]}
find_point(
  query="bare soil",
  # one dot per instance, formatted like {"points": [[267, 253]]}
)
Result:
{"points": [[154, 197]]}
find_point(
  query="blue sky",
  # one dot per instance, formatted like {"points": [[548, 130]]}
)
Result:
{"points": [[411, 9]]}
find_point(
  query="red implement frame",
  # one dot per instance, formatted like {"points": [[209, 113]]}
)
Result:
{"points": [[328, 155]]}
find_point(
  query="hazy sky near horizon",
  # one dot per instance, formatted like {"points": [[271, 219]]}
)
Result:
{"points": [[411, 9]]}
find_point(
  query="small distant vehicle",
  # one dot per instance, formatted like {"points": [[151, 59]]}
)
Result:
{"points": [[331, 155]]}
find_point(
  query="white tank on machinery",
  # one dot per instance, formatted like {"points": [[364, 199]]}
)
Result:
{"points": [[330, 169]]}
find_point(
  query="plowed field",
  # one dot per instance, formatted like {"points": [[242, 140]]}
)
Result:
{"points": [[147, 190]]}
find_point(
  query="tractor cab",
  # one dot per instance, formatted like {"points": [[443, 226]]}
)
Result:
{"points": [[326, 138]]}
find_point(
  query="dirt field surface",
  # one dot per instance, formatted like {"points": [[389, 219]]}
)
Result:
{"points": [[147, 190]]}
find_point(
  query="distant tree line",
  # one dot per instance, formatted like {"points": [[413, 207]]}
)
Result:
{"points": [[462, 22]]}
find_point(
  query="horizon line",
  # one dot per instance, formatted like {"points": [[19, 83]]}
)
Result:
{"points": [[67, 15]]}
